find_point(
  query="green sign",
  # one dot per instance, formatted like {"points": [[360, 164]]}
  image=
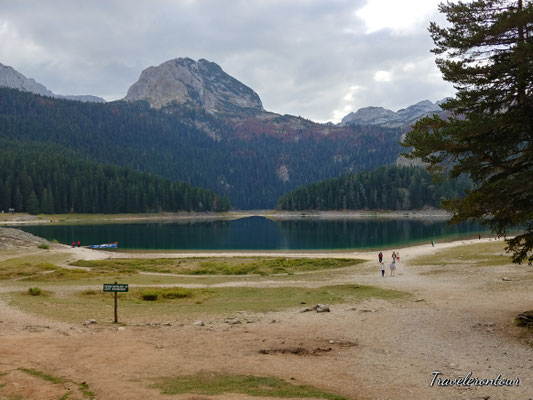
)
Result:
{"points": [[115, 287]]}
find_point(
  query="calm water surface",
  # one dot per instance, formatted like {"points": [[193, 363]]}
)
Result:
{"points": [[258, 233]]}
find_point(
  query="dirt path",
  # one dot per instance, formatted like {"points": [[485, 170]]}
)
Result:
{"points": [[456, 322]]}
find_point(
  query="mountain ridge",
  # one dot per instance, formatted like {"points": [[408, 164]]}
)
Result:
{"points": [[11, 78]]}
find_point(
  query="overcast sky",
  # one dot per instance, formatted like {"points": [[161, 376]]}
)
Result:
{"points": [[319, 59]]}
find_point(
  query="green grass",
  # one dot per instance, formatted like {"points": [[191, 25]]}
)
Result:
{"points": [[82, 387], [210, 384], [477, 255], [191, 304], [35, 291], [213, 266], [43, 375], [30, 265], [24, 269]]}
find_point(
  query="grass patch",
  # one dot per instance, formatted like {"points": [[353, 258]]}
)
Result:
{"points": [[210, 384], [35, 291], [478, 255], [213, 266], [189, 304], [43, 246], [24, 269], [85, 391], [43, 375]]}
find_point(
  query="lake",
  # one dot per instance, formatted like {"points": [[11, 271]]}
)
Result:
{"points": [[259, 233]]}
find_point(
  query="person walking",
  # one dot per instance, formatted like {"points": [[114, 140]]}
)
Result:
{"points": [[393, 256], [392, 268], [432, 243], [382, 269], [380, 257]]}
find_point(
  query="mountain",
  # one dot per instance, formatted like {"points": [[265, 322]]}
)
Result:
{"points": [[383, 117], [13, 79], [190, 121], [252, 163], [202, 84]]}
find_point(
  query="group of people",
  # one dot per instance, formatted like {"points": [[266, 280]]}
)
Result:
{"points": [[395, 258], [74, 244]]}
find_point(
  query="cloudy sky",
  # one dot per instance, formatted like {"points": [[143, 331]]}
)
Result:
{"points": [[319, 59]]}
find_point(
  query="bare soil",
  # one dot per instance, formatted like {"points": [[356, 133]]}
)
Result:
{"points": [[459, 320]]}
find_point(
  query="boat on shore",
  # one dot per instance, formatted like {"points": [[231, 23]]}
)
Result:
{"points": [[113, 245]]}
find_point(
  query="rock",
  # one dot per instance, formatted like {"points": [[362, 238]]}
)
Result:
{"points": [[525, 319], [382, 117], [198, 323], [89, 322], [419, 300], [232, 321], [11, 78], [199, 83], [320, 308], [505, 279], [121, 328]]}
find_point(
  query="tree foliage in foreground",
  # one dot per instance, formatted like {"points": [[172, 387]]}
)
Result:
{"points": [[40, 180], [487, 53], [384, 188]]}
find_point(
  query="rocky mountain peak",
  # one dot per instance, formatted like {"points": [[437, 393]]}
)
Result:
{"points": [[200, 83], [11, 78], [388, 118]]}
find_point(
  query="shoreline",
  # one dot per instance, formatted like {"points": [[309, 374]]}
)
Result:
{"points": [[68, 219]]}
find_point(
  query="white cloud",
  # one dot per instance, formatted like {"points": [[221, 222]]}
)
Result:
{"points": [[400, 16], [382, 76], [307, 57]]}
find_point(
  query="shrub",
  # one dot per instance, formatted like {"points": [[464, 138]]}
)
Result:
{"points": [[149, 295], [35, 291], [43, 246], [177, 293]]}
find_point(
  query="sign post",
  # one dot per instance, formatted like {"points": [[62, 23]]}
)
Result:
{"points": [[115, 287]]}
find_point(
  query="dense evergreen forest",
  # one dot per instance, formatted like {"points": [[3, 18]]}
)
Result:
{"points": [[385, 188], [41, 179], [168, 143]]}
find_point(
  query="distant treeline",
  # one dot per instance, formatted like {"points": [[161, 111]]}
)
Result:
{"points": [[385, 188], [41, 180]]}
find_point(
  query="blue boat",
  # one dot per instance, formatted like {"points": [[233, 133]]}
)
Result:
{"points": [[113, 245]]}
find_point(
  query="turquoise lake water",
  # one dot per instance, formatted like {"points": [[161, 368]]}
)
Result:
{"points": [[258, 233]]}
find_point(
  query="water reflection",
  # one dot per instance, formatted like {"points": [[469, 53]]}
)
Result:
{"points": [[258, 233]]}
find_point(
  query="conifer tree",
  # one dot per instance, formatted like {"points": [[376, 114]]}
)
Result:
{"points": [[487, 53]]}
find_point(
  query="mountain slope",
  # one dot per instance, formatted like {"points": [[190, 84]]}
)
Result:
{"points": [[380, 116], [254, 165], [13, 79], [202, 84]]}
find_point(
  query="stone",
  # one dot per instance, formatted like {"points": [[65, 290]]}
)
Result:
{"points": [[505, 279], [89, 322], [525, 319], [320, 308], [198, 323], [232, 321]]}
